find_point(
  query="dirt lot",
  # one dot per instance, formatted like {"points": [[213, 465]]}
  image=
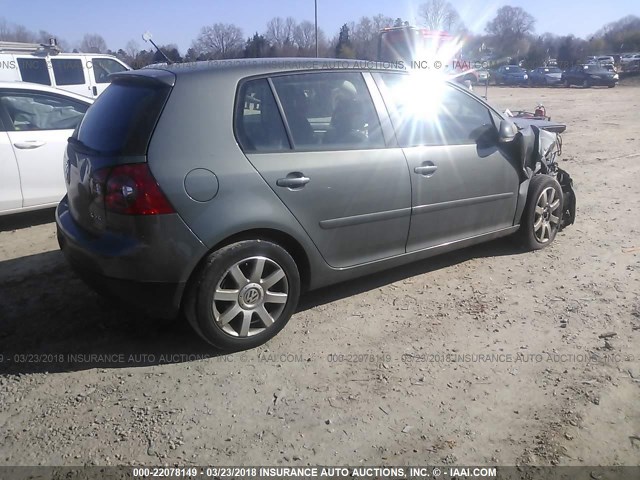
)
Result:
{"points": [[534, 384]]}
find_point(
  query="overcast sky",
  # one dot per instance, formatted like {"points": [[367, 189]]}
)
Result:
{"points": [[179, 22]]}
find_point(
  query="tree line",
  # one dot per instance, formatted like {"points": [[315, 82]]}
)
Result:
{"points": [[509, 36]]}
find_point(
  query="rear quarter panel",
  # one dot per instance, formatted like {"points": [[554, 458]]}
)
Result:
{"points": [[195, 131]]}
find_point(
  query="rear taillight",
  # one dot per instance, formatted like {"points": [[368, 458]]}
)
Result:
{"points": [[130, 190]]}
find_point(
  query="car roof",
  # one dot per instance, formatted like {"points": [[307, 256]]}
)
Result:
{"points": [[42, 88], [245, 67]]}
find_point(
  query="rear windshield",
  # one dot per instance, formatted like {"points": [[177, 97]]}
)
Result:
{"points": [[122, 119]]}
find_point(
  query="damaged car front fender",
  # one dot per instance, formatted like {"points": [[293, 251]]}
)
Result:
{"points": [[537, 151]]}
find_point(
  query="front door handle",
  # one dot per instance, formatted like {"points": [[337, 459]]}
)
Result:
{"points": [[293, 180], [28, 145], [426, 170]]}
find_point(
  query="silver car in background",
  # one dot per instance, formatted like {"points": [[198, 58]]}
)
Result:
{"points": [[224, 191]]}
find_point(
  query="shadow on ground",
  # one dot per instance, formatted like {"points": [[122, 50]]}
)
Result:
{"points": [[51, 322], [27, 219]]}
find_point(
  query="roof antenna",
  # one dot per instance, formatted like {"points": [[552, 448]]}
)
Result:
{"points": [[146, 36]]}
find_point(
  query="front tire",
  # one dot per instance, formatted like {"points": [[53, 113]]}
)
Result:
{"points": [[542, 213], [245, 294]]}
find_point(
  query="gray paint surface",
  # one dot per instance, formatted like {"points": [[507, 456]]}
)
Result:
{"points": [[361, 211]]}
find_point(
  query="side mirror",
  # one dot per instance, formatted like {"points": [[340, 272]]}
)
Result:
{"points": [[507, 131]]}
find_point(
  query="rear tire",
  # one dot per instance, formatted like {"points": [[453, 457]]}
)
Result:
{"points": [[542, 213], [244, 295]]}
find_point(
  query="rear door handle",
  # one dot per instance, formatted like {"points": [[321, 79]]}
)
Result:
{"points": [[293, 180], [28, 145], [426, 170]]}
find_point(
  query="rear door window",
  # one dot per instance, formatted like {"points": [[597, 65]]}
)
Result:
{"points": [[329, 111], [122, 119], [258, 123], [68, 71], [34, 70]]}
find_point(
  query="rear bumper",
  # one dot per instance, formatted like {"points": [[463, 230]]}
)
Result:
{"points": [[149, 274]]}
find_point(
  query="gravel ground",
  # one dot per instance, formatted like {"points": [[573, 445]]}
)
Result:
{"points": [[489, 355]]}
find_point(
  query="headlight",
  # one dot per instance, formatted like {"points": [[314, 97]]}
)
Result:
{"points": [[616, 77], [526, 76]]}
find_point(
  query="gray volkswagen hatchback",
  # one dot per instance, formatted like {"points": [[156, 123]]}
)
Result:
{"points": [[224, 191]]}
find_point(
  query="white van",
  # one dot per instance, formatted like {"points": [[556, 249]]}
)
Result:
{"points": [[80, 73]]}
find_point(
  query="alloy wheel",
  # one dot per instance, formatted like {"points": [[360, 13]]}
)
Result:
{"points": [[547, 215], [250, 297]]}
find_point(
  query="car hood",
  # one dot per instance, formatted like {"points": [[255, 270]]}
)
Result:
{"points": [[541, 124]]}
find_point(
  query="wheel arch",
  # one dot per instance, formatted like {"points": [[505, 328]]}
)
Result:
{"points": [[285, 240]]}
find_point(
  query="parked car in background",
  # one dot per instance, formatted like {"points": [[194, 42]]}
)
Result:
{"points": [[510, 75], [631, 66], [483, 76], [547, 76], [81, 73], [606, 59], [630, 57], [290, 180], [630, 62], [35, 123], [589, 75]]}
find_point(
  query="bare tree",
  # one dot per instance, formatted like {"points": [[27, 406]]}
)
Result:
{"points": [[304, 35], [220, 40], [380, 21], [280, 31], [93, 43], [18, 33], [21, 34], [132, 48], [5, 30], [511, 23], [364, 37], [275, 31], [290, 25], [440, 15]]}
